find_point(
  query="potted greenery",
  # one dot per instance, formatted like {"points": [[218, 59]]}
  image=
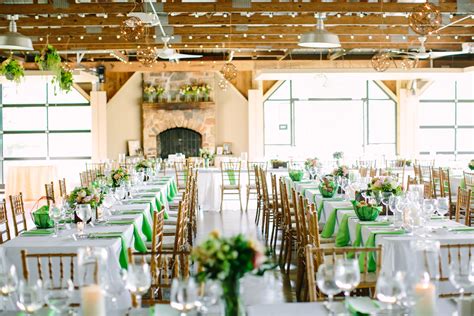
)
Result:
{"points": [[65, 80], [12, 70], [49, 59]]}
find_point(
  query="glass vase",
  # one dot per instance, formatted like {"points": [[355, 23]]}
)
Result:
{"points": [[231, 297], [206, 162]]}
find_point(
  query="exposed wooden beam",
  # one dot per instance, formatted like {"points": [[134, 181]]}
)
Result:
{"points": [[72, 8]]}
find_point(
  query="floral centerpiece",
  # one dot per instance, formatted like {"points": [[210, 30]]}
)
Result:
{"points": [[328, 187], [310, 165], [118, 177], [366, 211], [186, 91], [385, 184], [471, 164], [228, 260], [207, 155], [160, 91], [204, 89], [85, 195], [341, 171], [12, 70], [277, 163], [144, 165], [338, 155], [149, 92]]}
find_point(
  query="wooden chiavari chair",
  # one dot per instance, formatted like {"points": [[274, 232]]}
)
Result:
{"points": [[446, 190], [425, 162], [372, 172], [62, 188], [4, 226], [317, 256], [289, 229], [394, 166], [463, 206], [230, 174], [363, 171], [267, 216], [258, 188], [181, 172], [417, 171], [411, 181], [367, 164], [49, 189], [96, 167], [302, 224], [276, 213], [157, 235], [46, 265], [437, 183], [18, 213], [448, 254], [252, 179], [469, 183], [195, 162]]}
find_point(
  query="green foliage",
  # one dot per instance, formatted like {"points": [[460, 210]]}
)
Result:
{"points": [[85, 195], [118, 176], [49, 59], [12, 70], [65, 80]]}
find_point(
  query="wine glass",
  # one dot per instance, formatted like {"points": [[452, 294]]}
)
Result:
{"points": [[84, 212], [138, 281], [183, 295], [325, 278], [115, 285], [8, 284], [390, 289], [347, 275], [67, 213], [461, 275], [208, 295], [30, 296], [385, 200], [429, 206], [58, 294], [55, 215], [442, 206]]}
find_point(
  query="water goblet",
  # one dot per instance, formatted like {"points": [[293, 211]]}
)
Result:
{"points": [[347, 275], [84, 212], [115, 285], [442, 206], [55, 215], [326, 281], [30, 296], [183, 295], [138, 281], [385, 200], [8, 284], [390, 289], [461, 275], [208, 295], [58, 294]]}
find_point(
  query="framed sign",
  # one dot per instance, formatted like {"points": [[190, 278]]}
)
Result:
{"points": [[134, 148]]}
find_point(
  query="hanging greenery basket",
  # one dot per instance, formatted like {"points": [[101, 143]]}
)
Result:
{"points": [[12, 70], [49, 59], [65, 80]]}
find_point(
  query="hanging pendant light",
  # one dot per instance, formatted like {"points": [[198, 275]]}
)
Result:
{"points": [[319, 38], [12, 40]]}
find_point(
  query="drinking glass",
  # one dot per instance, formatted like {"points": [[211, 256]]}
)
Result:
{"points": [[326, 280], [84, 212], [429, 206], [67, 213], [390, 289], [58, 294], [138, 281], [347, 275], [30, 296], [442, 206], [55, 215], [385, 200], [115, 285], [8, 284], [208, 295], [461, 275], [183, 295]]}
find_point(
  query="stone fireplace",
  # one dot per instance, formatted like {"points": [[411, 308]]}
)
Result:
{"points": [[199, 117], [158, 118], [178, 140]]}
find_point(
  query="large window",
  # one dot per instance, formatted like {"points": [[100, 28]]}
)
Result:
{"points": [[40, 123], [318, 117], [446, 119]]}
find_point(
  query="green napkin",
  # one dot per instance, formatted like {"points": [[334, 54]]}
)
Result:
{"points": [[131, 212], [362, 306], [121, 221], [437, 217], [358, 241], [371, 244], [231, 175], [146, 228], [343, 237], [461, 229], [139, 244], [172, 190], [38, 232], [123, 259], [330, 226], [321, 206]]}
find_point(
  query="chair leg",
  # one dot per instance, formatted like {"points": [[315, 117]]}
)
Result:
{"points": [[222, 198], [300, 278], [282, 247], [278, 228], [257, 213], [248, 196], [240, 200], [274, 231], [290, 255]]}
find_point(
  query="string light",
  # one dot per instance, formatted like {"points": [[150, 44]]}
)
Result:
{"points": [[81, 37]]}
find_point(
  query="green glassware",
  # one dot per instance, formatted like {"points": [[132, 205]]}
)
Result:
{"points": [[41, 217], [366, 213]]}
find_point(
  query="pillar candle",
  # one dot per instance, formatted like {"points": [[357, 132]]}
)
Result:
{"points": [[425, 299], [92, 301]]}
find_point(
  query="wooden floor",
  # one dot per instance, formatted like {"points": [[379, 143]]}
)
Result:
{"points": [[278, 287]]}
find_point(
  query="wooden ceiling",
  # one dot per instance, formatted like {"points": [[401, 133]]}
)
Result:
{"points": [[266, 30]]}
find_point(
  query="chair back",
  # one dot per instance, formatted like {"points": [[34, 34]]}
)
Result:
{"points": [[252, 176], [158, 224], [469, 182], [49, 189], [363, 171], [4, 225], [463, 206], [313, 226], [195, 162], [62, 188], [437, 183], [317, 256], [50, 266], [96, 167], [18, 213], [367, 163], [230, 173], [181, 171], [411, 181]]}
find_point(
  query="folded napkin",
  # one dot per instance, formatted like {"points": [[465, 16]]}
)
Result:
{"points": [[130, 212], [123, 258], [362, 306], [461, 229], [121, 221], [105, 235], [330, 225], [343, 236], [38, 232]]}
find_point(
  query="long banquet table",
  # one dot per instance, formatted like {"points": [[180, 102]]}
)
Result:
{"points": [[129, 226]]}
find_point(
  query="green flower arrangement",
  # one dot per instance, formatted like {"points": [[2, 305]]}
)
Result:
{"points": [[145, 164], [12, 70], [185, 90], [205, 153], [228, 260], [471, 164], [49, 59], [328, 187], [311, 163], [341, 171], [338, 155], [159, 90], [118, 177], [85, 195], [204, 89], [385, 184], [149, 90]]}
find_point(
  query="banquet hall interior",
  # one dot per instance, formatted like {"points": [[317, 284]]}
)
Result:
{"points": [[237, 157]]}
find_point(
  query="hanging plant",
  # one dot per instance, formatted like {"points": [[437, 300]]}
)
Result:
{"points": [[12, 70], [65, 80], [49, 59]]}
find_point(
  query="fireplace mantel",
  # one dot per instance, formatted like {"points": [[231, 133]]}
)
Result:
{"points": [[178, 105]]}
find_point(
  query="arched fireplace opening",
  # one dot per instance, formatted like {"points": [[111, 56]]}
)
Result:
{"points": [[178, 140]]}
